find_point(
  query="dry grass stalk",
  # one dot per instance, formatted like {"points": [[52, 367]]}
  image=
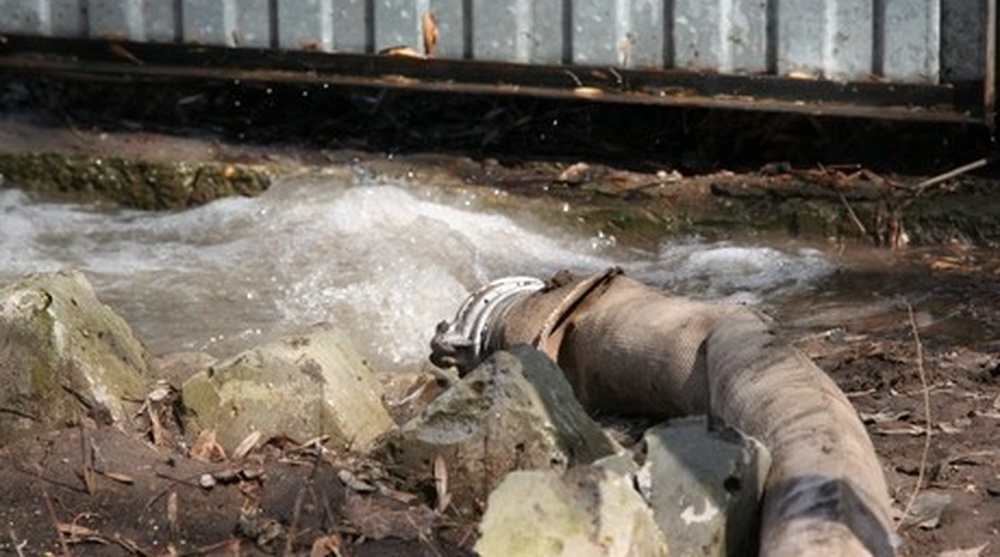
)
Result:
{"points": [[854, 217], [927, 417], [86, 458], [18, 545]]}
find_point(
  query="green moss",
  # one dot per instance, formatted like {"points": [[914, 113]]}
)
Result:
{"points": [[136, 183]]}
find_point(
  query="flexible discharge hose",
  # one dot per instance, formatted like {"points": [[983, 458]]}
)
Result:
{"points": [[629, 349]]}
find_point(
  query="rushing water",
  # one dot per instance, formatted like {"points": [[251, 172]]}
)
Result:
{"points": [[386, 259]]}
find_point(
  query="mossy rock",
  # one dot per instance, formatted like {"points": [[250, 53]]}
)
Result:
{"points": [[64, 355], [132, 182], [302, 387]]}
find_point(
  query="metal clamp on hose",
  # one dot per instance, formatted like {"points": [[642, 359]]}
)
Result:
{"points": [[463, 342]]}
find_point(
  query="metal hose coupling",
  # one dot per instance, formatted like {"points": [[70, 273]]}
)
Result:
{"points": [[464, 342]]}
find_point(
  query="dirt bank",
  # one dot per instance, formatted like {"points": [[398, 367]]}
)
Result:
{"points": [[874, 356]]}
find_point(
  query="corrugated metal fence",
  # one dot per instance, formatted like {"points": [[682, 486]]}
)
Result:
{"points": [[899, 41]]}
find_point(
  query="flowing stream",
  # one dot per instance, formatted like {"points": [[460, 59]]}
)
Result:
{"points": [[384, 258]]}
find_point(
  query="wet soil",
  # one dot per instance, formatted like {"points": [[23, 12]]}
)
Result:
{"points": [[930, 325], [116, 493], [914, 328]]}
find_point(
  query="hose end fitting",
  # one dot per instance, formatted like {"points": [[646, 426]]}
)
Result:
{"points": [[464, 342]]}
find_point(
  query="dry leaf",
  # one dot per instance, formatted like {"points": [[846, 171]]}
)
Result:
{"points": [[899, 429], [970, 552], [947, 427], [354, 483], [206, 448], [161, 438], [246, 445], [883, 416], [76, 530], [575, 173], [118, 477], [802, 75], [314, 443], [378, 518], [430, 29], [88, 479], [401, 496], [331, 544], [587, 92], [160, 393], [441, 483], [403, 51], [122, 52], [951, 264], [172, 511]]}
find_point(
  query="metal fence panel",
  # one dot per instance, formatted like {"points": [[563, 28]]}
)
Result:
{"points": [[644, 45], [596, 26], [208, 22], [911, 27], [350, 26], [963, 36], [906, 41], [721, 35], [449, 18], [305, 25], [248, 23], [66, 18], [119, 19]]}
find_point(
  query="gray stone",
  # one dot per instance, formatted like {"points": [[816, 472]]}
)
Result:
{"points": [[177, 367], [621, 463], [926, 510], [302, 387], [64, 354], [515, 411], [705, 486], [588, 511]]}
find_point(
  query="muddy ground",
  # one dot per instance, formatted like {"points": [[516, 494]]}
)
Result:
{"points": [[938, 328], [92, 490]]}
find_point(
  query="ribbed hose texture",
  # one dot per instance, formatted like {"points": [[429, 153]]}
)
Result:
{"points": [[629, 349]]}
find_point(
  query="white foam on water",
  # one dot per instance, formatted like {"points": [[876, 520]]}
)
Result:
{"points": [[730, 273], [385, 260]]}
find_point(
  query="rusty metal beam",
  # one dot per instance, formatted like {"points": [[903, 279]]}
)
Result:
{"points": [[872, 99]]}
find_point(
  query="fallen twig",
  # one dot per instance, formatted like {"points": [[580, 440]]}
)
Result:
{"points": [[971, 457], [190, 482], [18, 413], [927, 417], [63, 545], [853, 215], [86, 470], [855, 394], [293, 527], [954, 173], [19, 545]]}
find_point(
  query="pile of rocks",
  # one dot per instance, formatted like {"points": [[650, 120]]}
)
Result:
{"points": [[507, 447]]}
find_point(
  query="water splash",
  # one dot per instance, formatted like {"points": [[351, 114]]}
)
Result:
{"points": [[384, 259]]}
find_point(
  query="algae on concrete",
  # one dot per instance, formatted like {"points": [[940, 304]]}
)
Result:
{"points": [[132, 182]]}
